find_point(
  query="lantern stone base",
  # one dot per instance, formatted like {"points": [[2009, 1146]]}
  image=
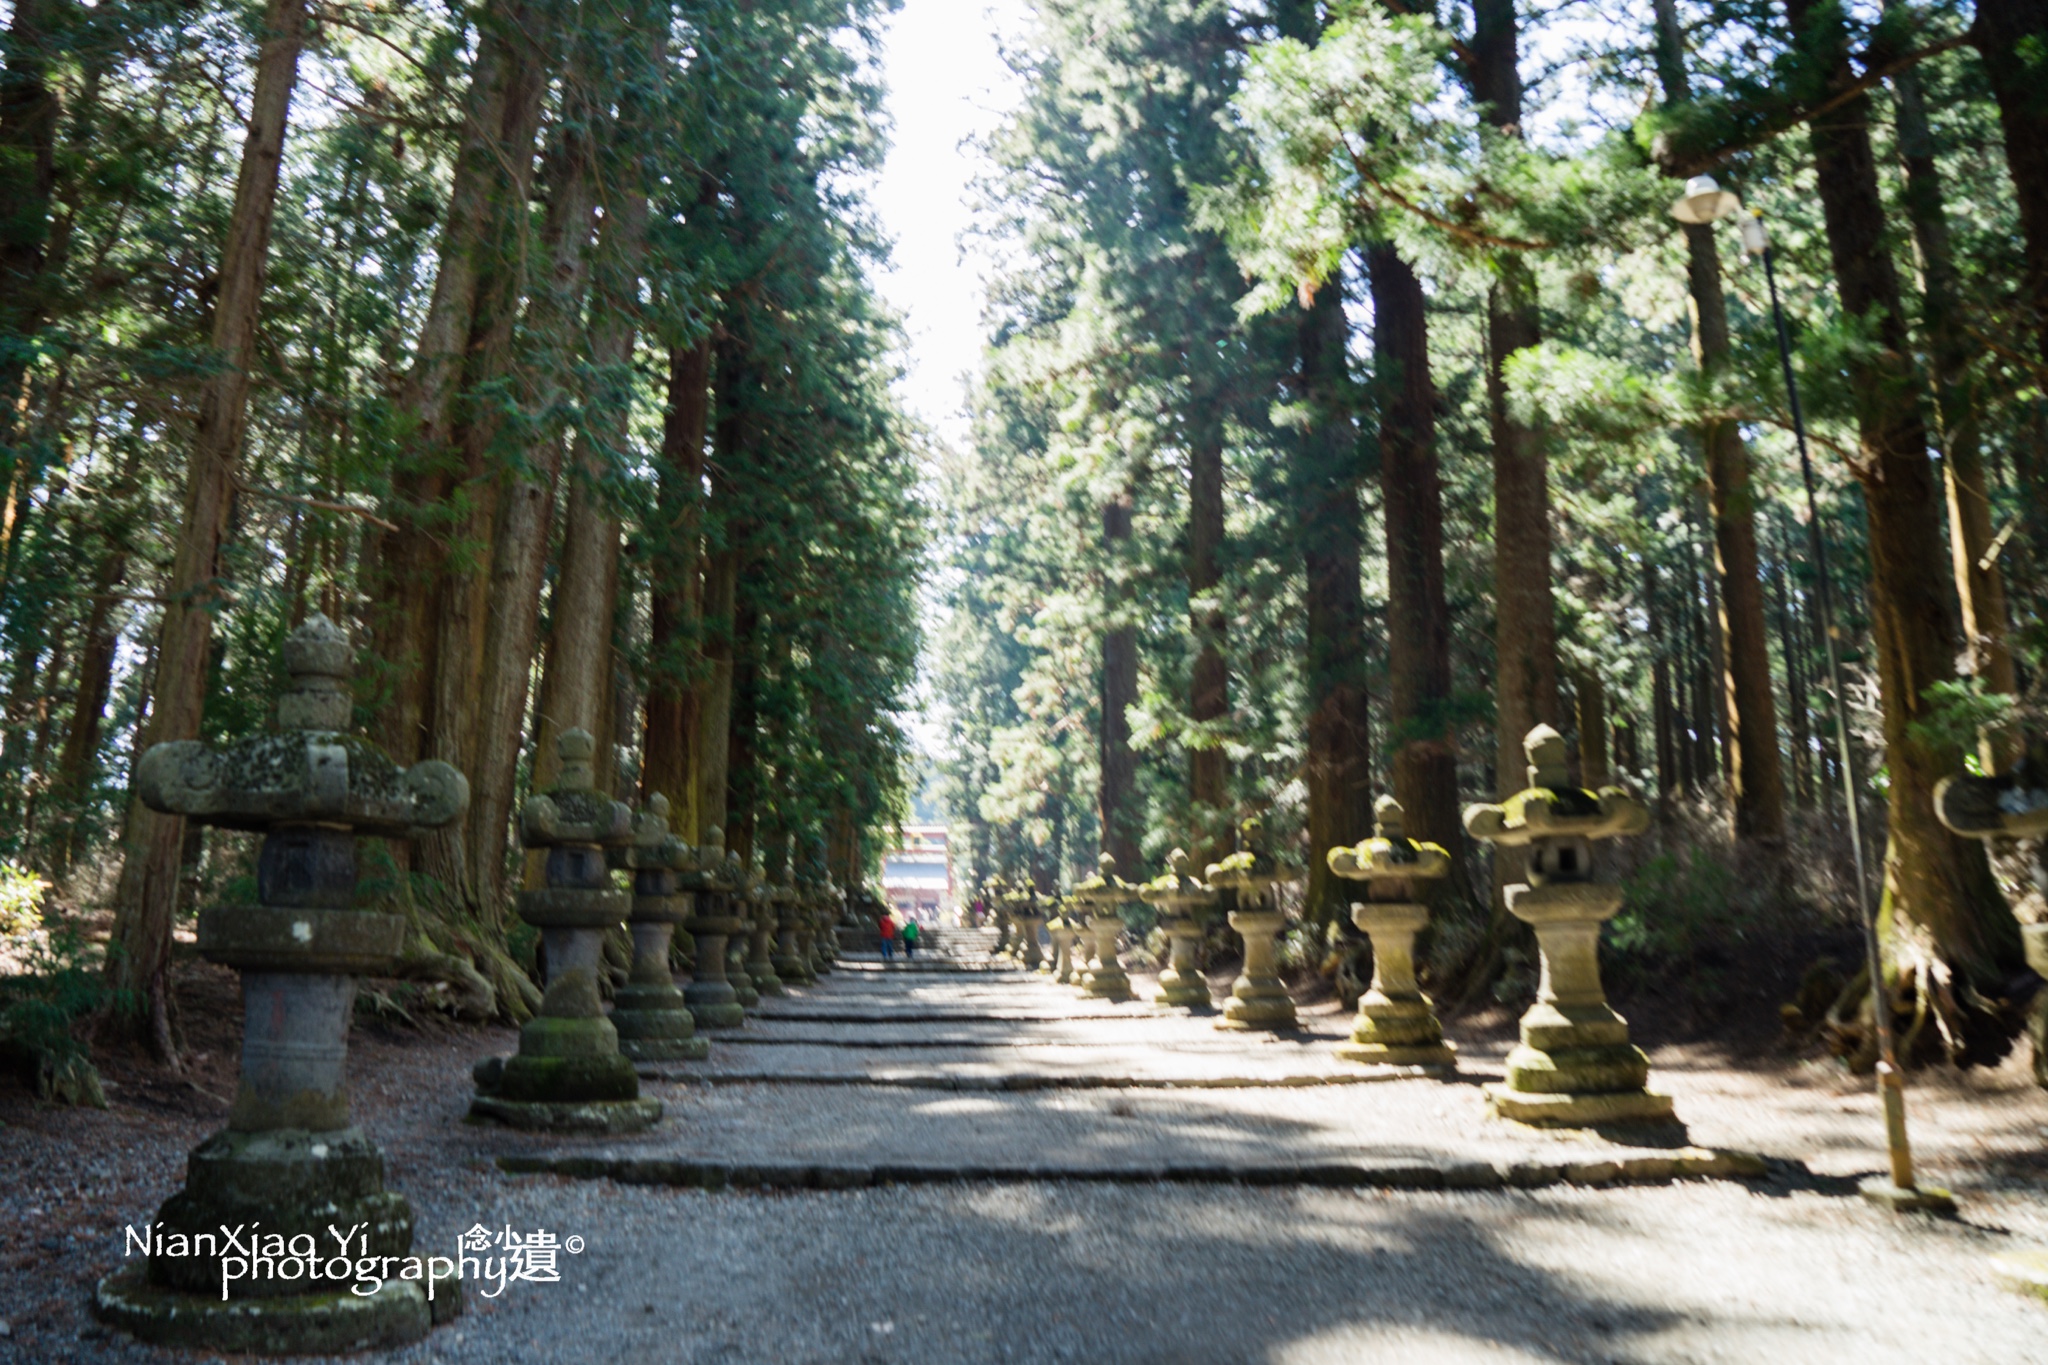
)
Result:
{"points": [[290, 1181], [789, 961], [568, 1076], [1181, 984], [761, 964], [1258, 998], [1181, 990], [1258, 1004], [1107, 980], [287, 1183], [330, 1322], [1576, 1068], [1398, 1033], [655, 1025], [740, 979], [711, 997], [1396, 1025], [1578, 1111]]}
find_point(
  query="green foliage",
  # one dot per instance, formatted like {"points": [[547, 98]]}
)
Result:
{"points": [[58, 986]]}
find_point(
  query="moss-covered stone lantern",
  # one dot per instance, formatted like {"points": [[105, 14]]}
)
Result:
{"points": [[569, 1074], [1027, 917], [290, 1161], [996, 892], [1395, 1026], [1102, 897], [1575, 1066], [650, 1011], [791, 962], [762, 924], [713, 881], [1062, 932], [1258, 998], [1183, 899]]}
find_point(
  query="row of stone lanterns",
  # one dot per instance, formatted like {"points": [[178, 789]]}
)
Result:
{"points": [[290, 1161], [1575, 1065]]}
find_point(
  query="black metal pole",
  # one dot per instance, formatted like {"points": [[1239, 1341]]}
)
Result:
{"points": [[1890, 1080]]}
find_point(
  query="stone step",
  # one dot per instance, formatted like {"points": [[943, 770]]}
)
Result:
{"points": [[714, 1174]]}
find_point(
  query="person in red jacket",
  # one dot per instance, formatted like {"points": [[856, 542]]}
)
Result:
{"points": [[887, 929]]}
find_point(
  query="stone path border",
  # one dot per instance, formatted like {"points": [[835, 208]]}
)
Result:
{"points": [[1691, 1163], [1034, 1080]]}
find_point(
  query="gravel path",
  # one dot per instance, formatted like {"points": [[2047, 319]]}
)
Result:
{"points": [[1792, 1268]]}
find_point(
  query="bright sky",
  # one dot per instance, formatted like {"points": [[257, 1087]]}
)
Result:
{"points": [[947, 82]]}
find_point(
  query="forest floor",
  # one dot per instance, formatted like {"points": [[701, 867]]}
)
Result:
{"points": [[991, 1148]]}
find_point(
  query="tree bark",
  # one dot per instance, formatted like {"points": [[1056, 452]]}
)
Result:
{"points": [[138, 958], [1117, 804], [673, 697], [507, 83], [526, 516], [1525, 612], [1209, 691], [1980, 587], [1418, 619], [2012, 37], [29, 113], [1339, 761], [1940, 880]]}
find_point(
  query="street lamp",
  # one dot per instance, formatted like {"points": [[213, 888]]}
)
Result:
{"points": [[1705, 202]]}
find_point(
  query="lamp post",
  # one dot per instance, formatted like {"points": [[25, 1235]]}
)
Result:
{"points": [[1704, 201]]}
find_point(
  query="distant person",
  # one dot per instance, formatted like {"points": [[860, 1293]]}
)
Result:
{"points": [[887, 930], [910, 932]]}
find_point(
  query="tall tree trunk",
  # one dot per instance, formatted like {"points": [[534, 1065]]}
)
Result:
{"points": [[726, 544], [1525, 612], [671, 760], [745, 782], [1943, 882], [1980, 587], [2012, 37], [1339, 762], [1756, 780], [1118, 805], [138, 957], [79, 760], [29, 113], [1418, 620], [1209, 692], [526, 516], [1662, 720], [507, 82]]}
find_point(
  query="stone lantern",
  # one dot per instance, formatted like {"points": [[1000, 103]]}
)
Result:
{"points": [[649, 1011], [1181, 898], [290, 1159], [569, 1074], [2013, 805], [1575, 1066], [762, 924], [1028, 917], [1102, 896], [1396, 1026], [789, 959], [711, 996], [824, 913], [1258, 998], [994, 891], [1062, 931]]}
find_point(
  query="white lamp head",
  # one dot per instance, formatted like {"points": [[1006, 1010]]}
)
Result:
{"points": [[1756, 240], [1705, 201]]}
